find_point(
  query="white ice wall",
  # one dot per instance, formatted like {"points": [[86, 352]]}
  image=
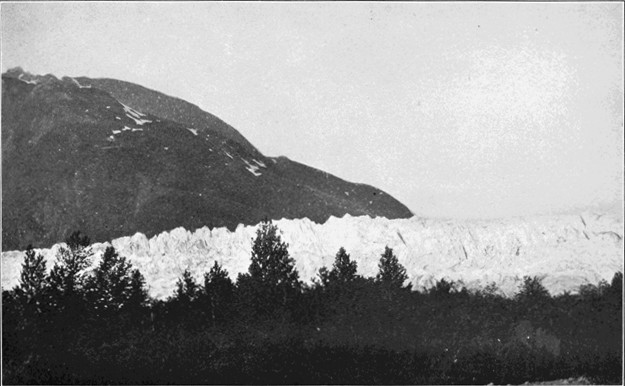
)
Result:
{"points": [[568, 250]]}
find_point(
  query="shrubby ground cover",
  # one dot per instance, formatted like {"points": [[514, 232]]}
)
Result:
{"points": [[74, 326]]}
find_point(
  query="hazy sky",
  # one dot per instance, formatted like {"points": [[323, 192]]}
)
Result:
{"points": [[456, 109]]}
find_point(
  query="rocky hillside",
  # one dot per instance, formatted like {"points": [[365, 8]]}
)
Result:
{"points": [[567, 250], [111, 158]]}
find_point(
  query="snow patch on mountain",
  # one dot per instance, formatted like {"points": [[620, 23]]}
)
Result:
{"points": [[259, 163], [27, 81], [194, 131], [135, 115], [79, 85], [473, 253], [252, 168]]}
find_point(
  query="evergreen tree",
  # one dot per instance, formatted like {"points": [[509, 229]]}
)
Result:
{"points": [[614, 292], [532, 289], [111, 286], [77, 241], [67, 278], [272, 268], [183, 306], [218, 289], [32, 284], [138, 294], [187, 288], [391, 273], [343, 270], [442, 288], [616, 286], [27, 304]]}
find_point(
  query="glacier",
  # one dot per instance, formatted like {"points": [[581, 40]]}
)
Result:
{"points": [[565, 250]]}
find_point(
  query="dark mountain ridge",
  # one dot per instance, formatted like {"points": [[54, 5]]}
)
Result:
{"points": [[112, 158]]}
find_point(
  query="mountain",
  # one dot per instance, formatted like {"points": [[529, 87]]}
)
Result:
{"points": [[566, 250], [112, 158], [173, 109]]}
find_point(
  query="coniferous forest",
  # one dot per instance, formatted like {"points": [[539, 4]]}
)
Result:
{"points": [[73, 325]]}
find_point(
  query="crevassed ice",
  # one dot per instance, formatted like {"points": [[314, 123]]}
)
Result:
{"points": [[473, 253]]}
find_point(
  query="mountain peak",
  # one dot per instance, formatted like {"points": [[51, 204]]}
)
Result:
{"points": [[27, 77]]}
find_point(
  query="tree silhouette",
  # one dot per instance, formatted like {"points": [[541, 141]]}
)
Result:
{"points": [[32, 284], [112, 285], [616, 286], [138, 294], [76, 241], [442, 288], [219, 290], [532, 289], [272, 268], [67, 277], [391, 273], [343, 270], [186, 288]]}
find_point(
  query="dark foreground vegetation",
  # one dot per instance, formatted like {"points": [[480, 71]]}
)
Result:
{"points": [[75, 327]]}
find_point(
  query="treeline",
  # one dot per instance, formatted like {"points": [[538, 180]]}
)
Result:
{"points": [[78, 325]]}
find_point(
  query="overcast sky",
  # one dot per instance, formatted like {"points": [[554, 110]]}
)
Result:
{"points": [[456, 109]]}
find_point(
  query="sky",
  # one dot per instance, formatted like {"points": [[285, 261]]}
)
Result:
{"points": [[471, 110]]}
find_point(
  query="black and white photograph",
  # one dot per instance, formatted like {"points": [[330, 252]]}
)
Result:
{"points": [[314, 192]]}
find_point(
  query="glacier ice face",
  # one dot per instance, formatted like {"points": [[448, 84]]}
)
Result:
{"points": [[567, 250]]}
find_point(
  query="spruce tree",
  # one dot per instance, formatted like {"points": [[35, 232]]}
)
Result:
{"points": [[343, 270], [271, 262], [532, 289], [442, 288], [218, 289], [138, 294], [67, 278], [391, 273], [110, 287], [186, 288], [32, 282], [272, 268]]}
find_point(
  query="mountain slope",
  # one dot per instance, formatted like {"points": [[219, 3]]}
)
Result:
{"points": [[75, 157], [171, 108]]}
